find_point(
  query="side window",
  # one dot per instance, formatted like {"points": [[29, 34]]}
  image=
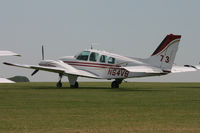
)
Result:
{"points": [[103, 58], [111, 60], [94, 56], [83, 55]]}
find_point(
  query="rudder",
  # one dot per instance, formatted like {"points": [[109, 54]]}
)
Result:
{"points": [[164, 56]]}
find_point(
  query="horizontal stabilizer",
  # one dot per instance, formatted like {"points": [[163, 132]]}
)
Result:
{"points": [[143, 69], [179, 69]]}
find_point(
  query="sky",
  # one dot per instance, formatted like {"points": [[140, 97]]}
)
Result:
{"points": [[126, 27]]}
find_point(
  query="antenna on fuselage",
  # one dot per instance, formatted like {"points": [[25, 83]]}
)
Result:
{"points": [[92, 44]]}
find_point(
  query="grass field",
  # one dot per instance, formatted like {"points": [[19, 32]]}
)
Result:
{"points": [[95, 108]]}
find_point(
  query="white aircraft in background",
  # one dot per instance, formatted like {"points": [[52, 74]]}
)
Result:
{"points": [[7, 53], [104, 65]]}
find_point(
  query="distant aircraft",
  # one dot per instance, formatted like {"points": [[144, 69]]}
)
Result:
{"points": [[104, 65], [7, 53]]}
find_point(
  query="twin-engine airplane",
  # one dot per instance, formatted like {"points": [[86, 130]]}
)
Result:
{"points": [[104, 65], [7, 53]]}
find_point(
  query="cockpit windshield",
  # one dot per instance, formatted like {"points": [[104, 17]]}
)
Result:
{"points": [[83, 55]]}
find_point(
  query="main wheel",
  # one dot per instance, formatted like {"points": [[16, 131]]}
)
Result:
{"points": [[114, 84], [75, 85], [59, 84]]}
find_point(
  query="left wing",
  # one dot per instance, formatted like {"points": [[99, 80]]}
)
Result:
{"points": [[56, 67], [8, 53]]}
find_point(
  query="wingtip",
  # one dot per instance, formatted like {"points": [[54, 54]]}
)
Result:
{"points": [[6, 63]]}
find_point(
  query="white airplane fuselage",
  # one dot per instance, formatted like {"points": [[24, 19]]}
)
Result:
{"points": [[107, 70]]}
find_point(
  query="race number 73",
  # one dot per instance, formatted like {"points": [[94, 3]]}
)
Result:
{"points": [[164, 58]]}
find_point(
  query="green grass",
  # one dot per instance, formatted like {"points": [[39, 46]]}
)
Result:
{"points": [[95, 108]]}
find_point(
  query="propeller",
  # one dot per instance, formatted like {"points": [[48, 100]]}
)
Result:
{"points": [[34, 72], [42, 52]]}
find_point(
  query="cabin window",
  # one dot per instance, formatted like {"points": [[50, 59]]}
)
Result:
{"points": [[111, 60], [94, 56], [83, 55], [103, 58]]}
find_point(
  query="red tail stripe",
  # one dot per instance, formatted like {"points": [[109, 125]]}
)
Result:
{"points": [[165, 42]]}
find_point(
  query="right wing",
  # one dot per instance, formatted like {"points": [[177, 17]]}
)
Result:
{"points": [[58, 67]]}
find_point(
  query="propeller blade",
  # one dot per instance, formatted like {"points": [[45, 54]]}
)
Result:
{"points": [[42, 52], [34, 72]]}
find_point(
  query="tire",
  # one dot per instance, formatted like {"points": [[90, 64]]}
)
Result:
{"points": [[75, 85], [114, 84], [59, 84]]}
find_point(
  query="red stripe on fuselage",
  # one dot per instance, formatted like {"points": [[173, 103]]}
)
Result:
{"points": [[88, 64]]}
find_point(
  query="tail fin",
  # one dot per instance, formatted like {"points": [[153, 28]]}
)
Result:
{"points": [[164, 56]]}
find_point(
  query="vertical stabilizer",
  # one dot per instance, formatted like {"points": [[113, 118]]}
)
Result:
{"points": [[164, 56]]}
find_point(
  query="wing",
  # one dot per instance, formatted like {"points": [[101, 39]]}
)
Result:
{"points": [[186, 68], [197, 67], [3, 80], [8, 53], [143, 69], [58, 67]]}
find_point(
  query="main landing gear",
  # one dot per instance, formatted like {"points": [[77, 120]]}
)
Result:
{"points": [[116, 83], [75, 85], [72, 80]]}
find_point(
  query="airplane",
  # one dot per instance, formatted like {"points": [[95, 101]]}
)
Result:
{"points": [[99, 64], [7, 53]]}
